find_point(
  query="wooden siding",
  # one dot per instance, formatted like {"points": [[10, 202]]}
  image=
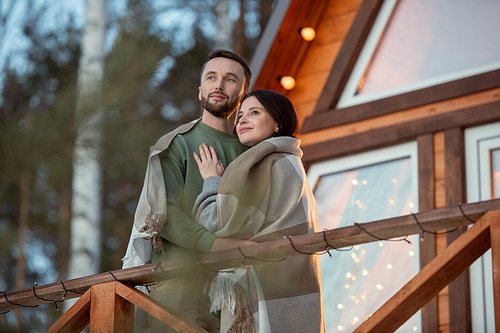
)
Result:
{"points": [[321, 54]]}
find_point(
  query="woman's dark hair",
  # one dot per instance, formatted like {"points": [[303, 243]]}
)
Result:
{"points": [[280, 109], [221, 53]]}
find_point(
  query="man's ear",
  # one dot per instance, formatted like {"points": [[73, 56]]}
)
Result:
{"points": [[199, 93]]}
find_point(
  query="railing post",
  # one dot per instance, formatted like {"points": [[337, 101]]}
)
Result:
{"points": [[495, 263], [109, 312]]}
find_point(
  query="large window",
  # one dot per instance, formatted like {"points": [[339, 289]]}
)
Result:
{"points": [[415, 44], [360, 188], [482, 153]]}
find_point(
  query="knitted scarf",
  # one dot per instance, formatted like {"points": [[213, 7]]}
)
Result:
{"points": [[151, 212]]}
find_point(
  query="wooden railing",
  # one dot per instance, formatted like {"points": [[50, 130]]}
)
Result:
{"points": [[108, 298]]}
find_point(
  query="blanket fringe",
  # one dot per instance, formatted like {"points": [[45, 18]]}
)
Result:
{"points": [[154, 228], [226, 293], [244, 321]]}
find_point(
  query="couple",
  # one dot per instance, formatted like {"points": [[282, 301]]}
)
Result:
{"points": [[263, 192]]}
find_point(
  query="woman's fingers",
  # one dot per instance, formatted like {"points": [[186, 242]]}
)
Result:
{"points": [[213, 153], [196, 158]]}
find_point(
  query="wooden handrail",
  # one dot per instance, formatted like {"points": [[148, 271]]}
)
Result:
{"points": [[439, 219]]}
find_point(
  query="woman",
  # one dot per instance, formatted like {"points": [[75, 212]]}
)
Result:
{"points": [[264, 192]]}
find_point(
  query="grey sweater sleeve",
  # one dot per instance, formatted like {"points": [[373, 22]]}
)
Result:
{"points": [[205, 207]]}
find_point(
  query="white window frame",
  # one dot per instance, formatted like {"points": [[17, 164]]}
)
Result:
{"points": [[349, 98], [405, 150], [478, 143]]}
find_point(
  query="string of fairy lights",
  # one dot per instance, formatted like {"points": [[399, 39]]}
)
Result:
{"points": [[328, 247]]}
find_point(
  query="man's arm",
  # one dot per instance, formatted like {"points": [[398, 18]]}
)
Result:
{"points": [[179, 228]]}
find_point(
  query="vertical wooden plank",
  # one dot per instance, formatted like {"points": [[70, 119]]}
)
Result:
{"points": [[495, 258], [109, 313], [459, 289], [426, 202]]}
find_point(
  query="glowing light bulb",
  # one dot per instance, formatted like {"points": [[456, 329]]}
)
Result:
{"points": [[356, 301], [348, 274], [379, 287], [411, 253], [340, 328], [354, 182], [355, 319], [340, 306], [308, 33], [287, 82], [415, 328], [347, 286], [353, 278], [389, 266], [356, 247], [411, 204], [391, 201], [380, 244], [353, 255], [365, 272], [365, 182]]}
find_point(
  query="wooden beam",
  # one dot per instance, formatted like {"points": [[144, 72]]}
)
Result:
{"points": [[323, 119], [459, 289], [445, 218], [75, 319], [448, 265], [426, 202], [495, 259], [399, 133], [344, 63], [156, 309]]}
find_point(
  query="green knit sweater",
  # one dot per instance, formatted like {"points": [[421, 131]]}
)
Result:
{"points": [[181, 235]]}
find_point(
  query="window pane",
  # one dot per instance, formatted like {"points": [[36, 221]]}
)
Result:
{"points": [[426, 39], [495, 174], [357, 282]]}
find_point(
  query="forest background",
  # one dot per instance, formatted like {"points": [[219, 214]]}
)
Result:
{"points": [[153, 54]]}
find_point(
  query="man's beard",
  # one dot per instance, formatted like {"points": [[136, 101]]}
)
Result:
{"points": [[220, 110]]}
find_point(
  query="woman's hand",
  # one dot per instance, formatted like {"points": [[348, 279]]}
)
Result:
{"points": [[208, 163]]}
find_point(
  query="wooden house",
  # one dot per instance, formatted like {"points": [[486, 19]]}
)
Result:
{"points": [[401, 91]]}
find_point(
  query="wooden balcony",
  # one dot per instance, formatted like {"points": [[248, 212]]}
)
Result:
{"points": [[108, 299]]}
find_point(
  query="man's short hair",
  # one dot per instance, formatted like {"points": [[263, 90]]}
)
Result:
{"points": [[221, 53]]}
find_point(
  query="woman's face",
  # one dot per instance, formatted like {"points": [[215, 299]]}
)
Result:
{"points": [[254, 122]]}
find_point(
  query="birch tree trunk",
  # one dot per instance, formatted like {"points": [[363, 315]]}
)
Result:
{"points": [[224, 32], [86, 202]]}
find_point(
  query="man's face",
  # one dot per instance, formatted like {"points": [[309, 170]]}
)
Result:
{"points": [[222, 85]]}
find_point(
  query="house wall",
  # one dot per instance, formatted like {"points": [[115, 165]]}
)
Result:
{"points": [[434, 116]]}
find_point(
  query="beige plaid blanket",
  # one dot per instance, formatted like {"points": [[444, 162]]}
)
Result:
{"points": [[265, 192]]}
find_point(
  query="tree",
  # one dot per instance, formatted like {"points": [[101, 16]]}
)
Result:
{"points": [[86, 203]]}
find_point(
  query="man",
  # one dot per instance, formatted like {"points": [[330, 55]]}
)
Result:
{"points": [[173, 178]]}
